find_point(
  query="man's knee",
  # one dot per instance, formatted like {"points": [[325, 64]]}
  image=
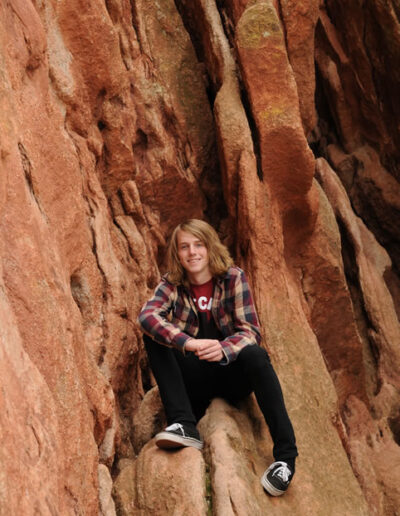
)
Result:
{"points": [[254, 357], [254, 352]]}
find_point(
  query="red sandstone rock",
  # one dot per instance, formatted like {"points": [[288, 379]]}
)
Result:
{"points": [[239, 450], [299, 21], [148, 420], [107, 142], [331, 310], [162, 482], [380, 359], [107, 506], [374, 192], [286, 161], [372, 47], [124, 490], [74, 276], [362, 106]]}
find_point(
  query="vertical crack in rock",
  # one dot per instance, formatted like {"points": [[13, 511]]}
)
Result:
{"points": [[210, 180], [209, 496], [363, 321], [394, 424], [326, 132], [253, 129], [215, 46], [204, 23], [136, 25], [80, 293], [104, 293], [227, 23], [284, 30], [233, 506], [328, 129], [247, 106], [76, 285], [27, 168]]}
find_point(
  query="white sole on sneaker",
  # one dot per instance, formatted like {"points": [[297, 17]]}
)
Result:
{"points": [[168, 440], [273, 491]]}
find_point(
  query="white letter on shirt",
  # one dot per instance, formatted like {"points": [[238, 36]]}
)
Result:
{"points": [[202, 302]]}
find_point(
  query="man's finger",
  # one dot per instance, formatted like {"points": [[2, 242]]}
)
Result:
{"points": [[214, 356], [207, 352]]}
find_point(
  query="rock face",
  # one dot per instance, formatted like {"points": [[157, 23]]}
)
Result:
{"points": [[120, 119]]}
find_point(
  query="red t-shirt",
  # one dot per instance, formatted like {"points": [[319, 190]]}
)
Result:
{"points": [[202, 296]]}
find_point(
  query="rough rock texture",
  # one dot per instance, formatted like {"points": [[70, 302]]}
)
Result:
{"points": [[162, 482], [275, 120], [239, 447], [377, 346]]}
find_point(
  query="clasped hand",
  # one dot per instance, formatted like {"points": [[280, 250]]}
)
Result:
{"points": [[205, 349]]}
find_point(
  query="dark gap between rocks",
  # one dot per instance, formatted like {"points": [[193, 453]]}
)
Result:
{"points": [[325, 133], [253, 129], [371, 352]]}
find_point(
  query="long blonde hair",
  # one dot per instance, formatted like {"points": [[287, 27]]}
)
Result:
{"points": [[220, 259]]}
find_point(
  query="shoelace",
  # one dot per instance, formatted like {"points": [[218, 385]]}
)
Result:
{"points": [[283, 472], [176, 426]]}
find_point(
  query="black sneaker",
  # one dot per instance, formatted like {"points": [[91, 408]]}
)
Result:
{"points": [[276, 478], [177, 435]]}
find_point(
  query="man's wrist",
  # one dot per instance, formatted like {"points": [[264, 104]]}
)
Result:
{"points": [[188, 344]]}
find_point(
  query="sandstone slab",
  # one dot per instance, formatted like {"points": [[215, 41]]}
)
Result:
{"points": [[162, 482], [238, 450]]}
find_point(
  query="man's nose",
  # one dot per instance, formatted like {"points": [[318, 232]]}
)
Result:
{"points": [[192, 249]]}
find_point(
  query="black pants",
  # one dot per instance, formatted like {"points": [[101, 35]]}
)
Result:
{"points": [[187, 385]]}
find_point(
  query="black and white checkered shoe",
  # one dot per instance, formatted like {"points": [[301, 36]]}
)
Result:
{"points": [[276, 478], [177, 435]]}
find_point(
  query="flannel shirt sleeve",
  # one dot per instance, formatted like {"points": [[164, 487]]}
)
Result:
{"points": [[245, 321], [153, 318]]}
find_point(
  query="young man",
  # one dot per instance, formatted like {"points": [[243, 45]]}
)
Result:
{"points": [[202, 338]]}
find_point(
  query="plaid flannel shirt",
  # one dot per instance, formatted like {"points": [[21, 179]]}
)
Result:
{"points": [[170, 316]]}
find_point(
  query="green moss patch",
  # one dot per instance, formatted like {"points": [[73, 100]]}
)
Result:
{"points": [[257, 24]]}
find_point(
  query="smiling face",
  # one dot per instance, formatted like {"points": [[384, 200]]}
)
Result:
{"points": [[193, 256]]}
